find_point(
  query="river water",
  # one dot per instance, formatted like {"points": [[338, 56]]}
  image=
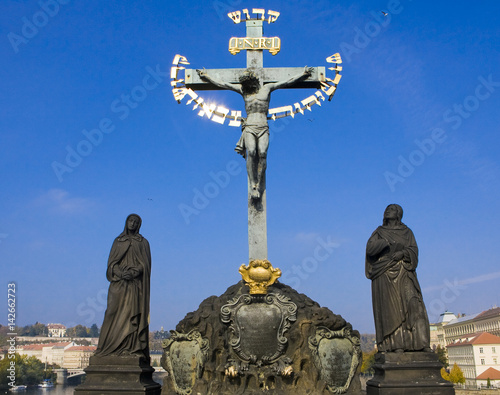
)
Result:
{"points": [[56, 390], [62, 389]]}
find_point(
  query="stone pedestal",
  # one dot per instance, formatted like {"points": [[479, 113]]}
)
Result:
{"points": [[127, 375], [409, 373], [280, 343]]}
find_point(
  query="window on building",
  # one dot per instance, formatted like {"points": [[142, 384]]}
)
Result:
{"points": [[482, 361], [494, 361], [481, 350], [493, 349]]}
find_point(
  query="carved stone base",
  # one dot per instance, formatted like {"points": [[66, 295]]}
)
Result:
{"points": [[282, 343], [409, 373], [127, 375]]}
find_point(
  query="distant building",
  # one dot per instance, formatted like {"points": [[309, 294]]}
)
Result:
{"points": [[77, 357], [67, 355], [156, 360], [492, 374], [51, 353], [437, 330], [466, 325], [56, 330], [478, 356]]}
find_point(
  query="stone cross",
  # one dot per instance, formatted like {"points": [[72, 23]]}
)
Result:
{"points": [[286, 77]]}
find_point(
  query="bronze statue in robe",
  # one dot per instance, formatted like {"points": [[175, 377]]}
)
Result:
{"points": [[125, 330], [401, 322]]}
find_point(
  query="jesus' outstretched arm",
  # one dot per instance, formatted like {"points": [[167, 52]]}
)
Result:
{"points": [[290, 82], [221, 84]]}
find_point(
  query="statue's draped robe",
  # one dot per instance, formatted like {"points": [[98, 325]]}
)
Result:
{"points": [[401, 321], [125, 329]]}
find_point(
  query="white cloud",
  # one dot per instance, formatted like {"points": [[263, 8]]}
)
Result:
{"points": [[59, 201], [466, 281], [306, 238]]}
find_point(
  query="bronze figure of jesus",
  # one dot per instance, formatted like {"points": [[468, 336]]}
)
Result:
{"points": [[254, 139]]}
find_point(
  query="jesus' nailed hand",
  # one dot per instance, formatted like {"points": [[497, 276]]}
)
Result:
{"points": [[254, 139]]}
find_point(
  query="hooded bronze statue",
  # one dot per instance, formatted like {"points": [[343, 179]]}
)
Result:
{"points": [[401, 322], [125, 329]]}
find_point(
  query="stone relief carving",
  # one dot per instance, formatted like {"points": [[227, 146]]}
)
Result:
{"points": [[183, 357], [257, 326], [336, 355]]}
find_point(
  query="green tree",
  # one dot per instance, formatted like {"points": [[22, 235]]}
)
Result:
{"points": [[34, 330], [368, 362], [4, 365], [94, 331], [488, 383], [78, 331], [441, 352], [29, 370]]}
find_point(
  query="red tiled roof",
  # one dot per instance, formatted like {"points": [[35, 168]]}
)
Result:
{"points": [[482, 338], [40, 346], [56, 326], [486, 338], [32, 347], [489, 313], [490, 373]]}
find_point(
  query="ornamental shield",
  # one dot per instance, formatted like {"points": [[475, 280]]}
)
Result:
{"points": [[336, 355], [257, 326], [183, 357]]}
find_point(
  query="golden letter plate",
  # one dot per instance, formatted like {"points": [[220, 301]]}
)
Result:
{"points": [[236, 44]]}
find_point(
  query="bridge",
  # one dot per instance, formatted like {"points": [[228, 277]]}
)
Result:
{"points": [[69, 376]]}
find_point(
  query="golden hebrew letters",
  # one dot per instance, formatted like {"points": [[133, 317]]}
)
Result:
{"points": [[236, 118], [259, 11], [218, 118], [219, 114], [236, 15], [335, 58], [273, 15]]}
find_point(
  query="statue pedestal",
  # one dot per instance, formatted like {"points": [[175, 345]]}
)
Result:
{"points": [[280, 343], [127, 375], [409, 373]]}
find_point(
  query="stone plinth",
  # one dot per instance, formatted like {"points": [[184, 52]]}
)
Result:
{"points": [[127, 375], [409, 373], [279, 343]]}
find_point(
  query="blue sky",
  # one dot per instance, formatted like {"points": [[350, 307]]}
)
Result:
{"points": [[415, 121]]}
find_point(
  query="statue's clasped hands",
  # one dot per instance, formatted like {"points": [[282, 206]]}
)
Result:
{"points": [[127, 275], [398, 256]]}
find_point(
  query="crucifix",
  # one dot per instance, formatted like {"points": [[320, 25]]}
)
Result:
{"points": [[255, 83]]}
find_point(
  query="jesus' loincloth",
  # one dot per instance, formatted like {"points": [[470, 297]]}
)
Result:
{"points": [[257, 130]]}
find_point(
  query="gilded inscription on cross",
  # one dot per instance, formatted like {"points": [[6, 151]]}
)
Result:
{"points": [[255, 84]]}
